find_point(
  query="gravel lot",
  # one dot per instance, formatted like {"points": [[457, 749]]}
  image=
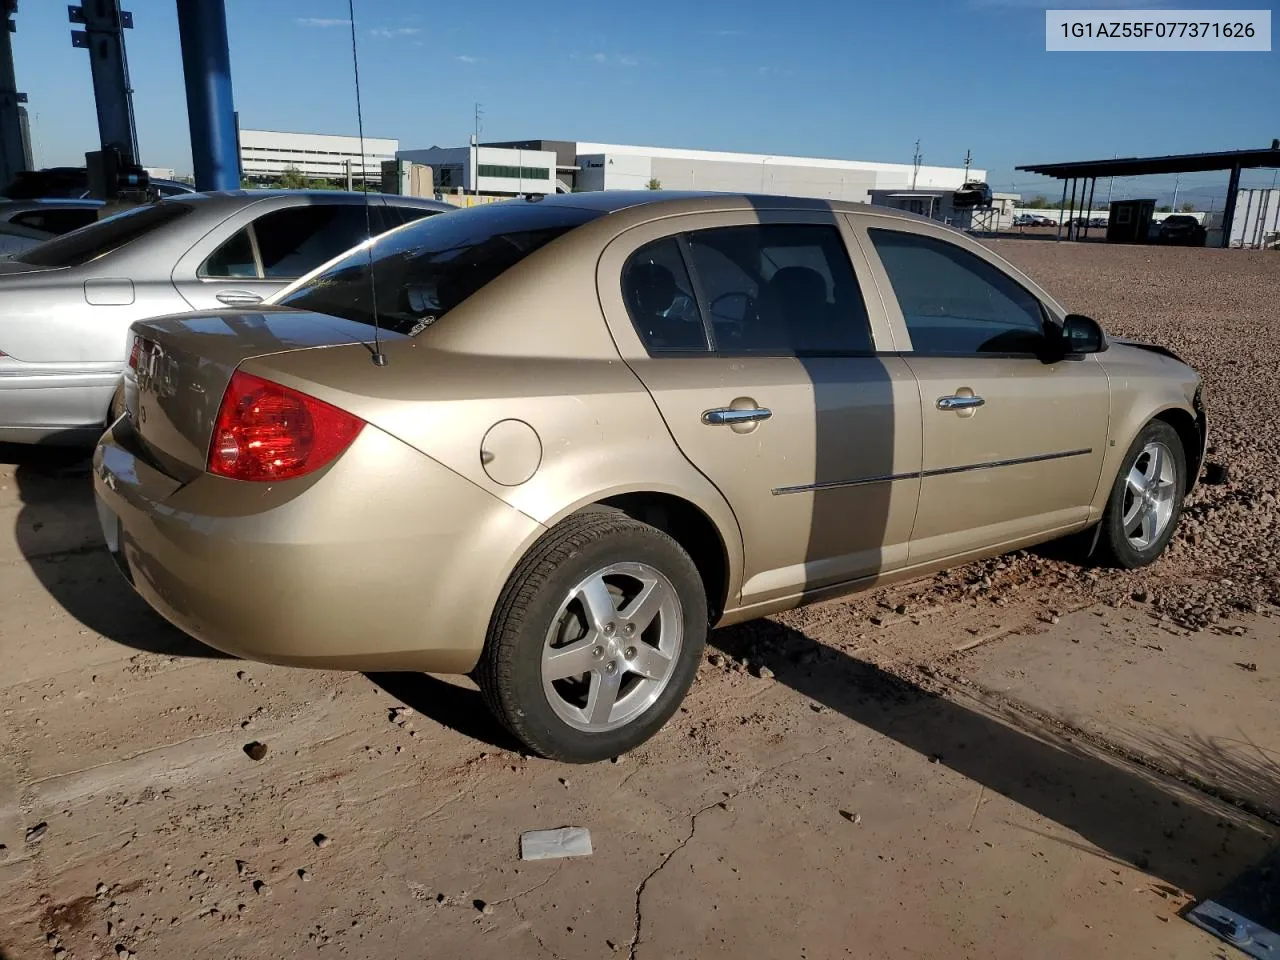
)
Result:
{"points": [[827, 779]]}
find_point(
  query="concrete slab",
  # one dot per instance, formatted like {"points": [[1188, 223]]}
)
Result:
{"points": [[1205, 706]]}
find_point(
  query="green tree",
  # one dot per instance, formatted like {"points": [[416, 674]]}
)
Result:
{"points": [[654, 183], [1038, 202], [1188, 207], [292, 179], [1164, 208]]}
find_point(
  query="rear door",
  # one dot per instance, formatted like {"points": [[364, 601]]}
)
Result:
{"points": [[258, 252], [751, 332], [1013, 443]]}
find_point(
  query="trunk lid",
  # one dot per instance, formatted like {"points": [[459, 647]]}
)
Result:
{"points": [[180, 367]]}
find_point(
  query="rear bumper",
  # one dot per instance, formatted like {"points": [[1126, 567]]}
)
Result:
{"points": [[393, 568]]}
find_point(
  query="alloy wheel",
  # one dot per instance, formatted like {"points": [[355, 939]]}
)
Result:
{"points": [[612, 647], [1148, 495]]}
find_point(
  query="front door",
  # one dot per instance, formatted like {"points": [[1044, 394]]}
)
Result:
{"points": [[757, 346], [1013, 445]]}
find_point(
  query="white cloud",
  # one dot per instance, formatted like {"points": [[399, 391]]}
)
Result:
{"points": [[395, 31], [727, 33], [465, 58], [599, 57], [773, 71], [628, 61], [321, 22]]}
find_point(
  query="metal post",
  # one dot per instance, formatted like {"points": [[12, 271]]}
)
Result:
{"points": [[347, 167], [1072, 215], [206, 66], [12, 152], [1229, 207], [1061, 206], [1088, 213], [103, 36]]}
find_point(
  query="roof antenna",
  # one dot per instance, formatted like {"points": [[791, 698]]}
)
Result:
{"points": [[379, 358]]}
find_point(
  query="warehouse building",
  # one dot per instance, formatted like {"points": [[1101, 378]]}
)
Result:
{"points": [[562, 166], [266, 155]]}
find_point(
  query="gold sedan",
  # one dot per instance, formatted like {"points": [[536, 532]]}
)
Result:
{"points": [[550, 442]]}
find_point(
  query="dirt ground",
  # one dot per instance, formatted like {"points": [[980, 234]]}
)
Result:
{"points": [[1018, 758]]}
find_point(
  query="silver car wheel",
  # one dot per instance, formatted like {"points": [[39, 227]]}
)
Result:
{"points": [[1148, 495], [612, 647]]}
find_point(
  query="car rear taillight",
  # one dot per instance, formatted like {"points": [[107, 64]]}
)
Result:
{"points": [[265, 431], [135, 351]]}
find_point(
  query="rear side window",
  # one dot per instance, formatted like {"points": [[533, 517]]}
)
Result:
{"points": [[780, 290], [955, 303], [422, 272], [234, 259], [104, 236], [296, 240], [659, 297]]}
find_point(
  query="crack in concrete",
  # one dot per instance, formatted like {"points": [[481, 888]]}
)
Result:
{"points": [[759, 778], [524, 893]]}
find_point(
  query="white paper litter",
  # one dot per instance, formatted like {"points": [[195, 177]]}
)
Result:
{"points": [[552, 844]]}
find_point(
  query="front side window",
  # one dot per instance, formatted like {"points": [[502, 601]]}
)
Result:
{"points": [[422, 272], [955, 303]]}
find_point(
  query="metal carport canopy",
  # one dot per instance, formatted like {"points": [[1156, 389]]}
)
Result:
{"points": [[1175, 163], [1091, 170]]}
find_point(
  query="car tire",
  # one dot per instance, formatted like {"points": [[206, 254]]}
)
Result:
{"points": [[1145, 504], [553, 617]]}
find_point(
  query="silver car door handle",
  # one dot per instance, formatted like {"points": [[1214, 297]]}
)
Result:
{"points": [[959, 403], [239, 298], [732, 415]]}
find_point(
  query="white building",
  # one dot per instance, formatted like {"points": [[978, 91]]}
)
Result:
{"points": [[488, 169], [268, 154], [611, 166]]}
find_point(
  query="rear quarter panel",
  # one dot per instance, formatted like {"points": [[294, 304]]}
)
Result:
{"points": [[531, 347]]}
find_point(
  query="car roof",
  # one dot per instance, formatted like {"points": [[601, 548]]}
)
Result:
{"points": [[241, 197], [664, 203]]}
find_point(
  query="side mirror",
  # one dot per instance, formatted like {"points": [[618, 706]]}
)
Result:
{"points": [[1082, 335]]}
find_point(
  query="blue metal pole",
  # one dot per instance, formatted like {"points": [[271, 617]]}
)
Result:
{"points": [[206, 65]]}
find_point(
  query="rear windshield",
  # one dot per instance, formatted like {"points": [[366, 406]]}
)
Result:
{"points": [[97, 239], [424, 270]]}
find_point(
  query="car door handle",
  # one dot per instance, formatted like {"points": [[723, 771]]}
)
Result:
{"points": [[239, 298], [959, 402], [732, 415]]}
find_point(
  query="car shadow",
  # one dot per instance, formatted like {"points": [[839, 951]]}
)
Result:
{"points": [[1120, 810], [452, 706], [57, 533]]}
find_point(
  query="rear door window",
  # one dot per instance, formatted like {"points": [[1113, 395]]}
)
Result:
{"points": [[778, 290], [234, 259], [659, 297], [296, 240]]}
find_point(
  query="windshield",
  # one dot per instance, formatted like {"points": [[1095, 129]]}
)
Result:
{"points": [[424, 270], [98, 239]]}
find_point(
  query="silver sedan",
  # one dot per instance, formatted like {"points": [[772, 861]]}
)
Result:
{"points": [[66, 305]]}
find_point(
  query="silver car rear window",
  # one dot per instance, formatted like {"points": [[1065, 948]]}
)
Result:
{"points": [[98, 239]]}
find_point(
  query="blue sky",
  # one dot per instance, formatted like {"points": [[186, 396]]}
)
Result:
{"points": [[839, 78]]}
